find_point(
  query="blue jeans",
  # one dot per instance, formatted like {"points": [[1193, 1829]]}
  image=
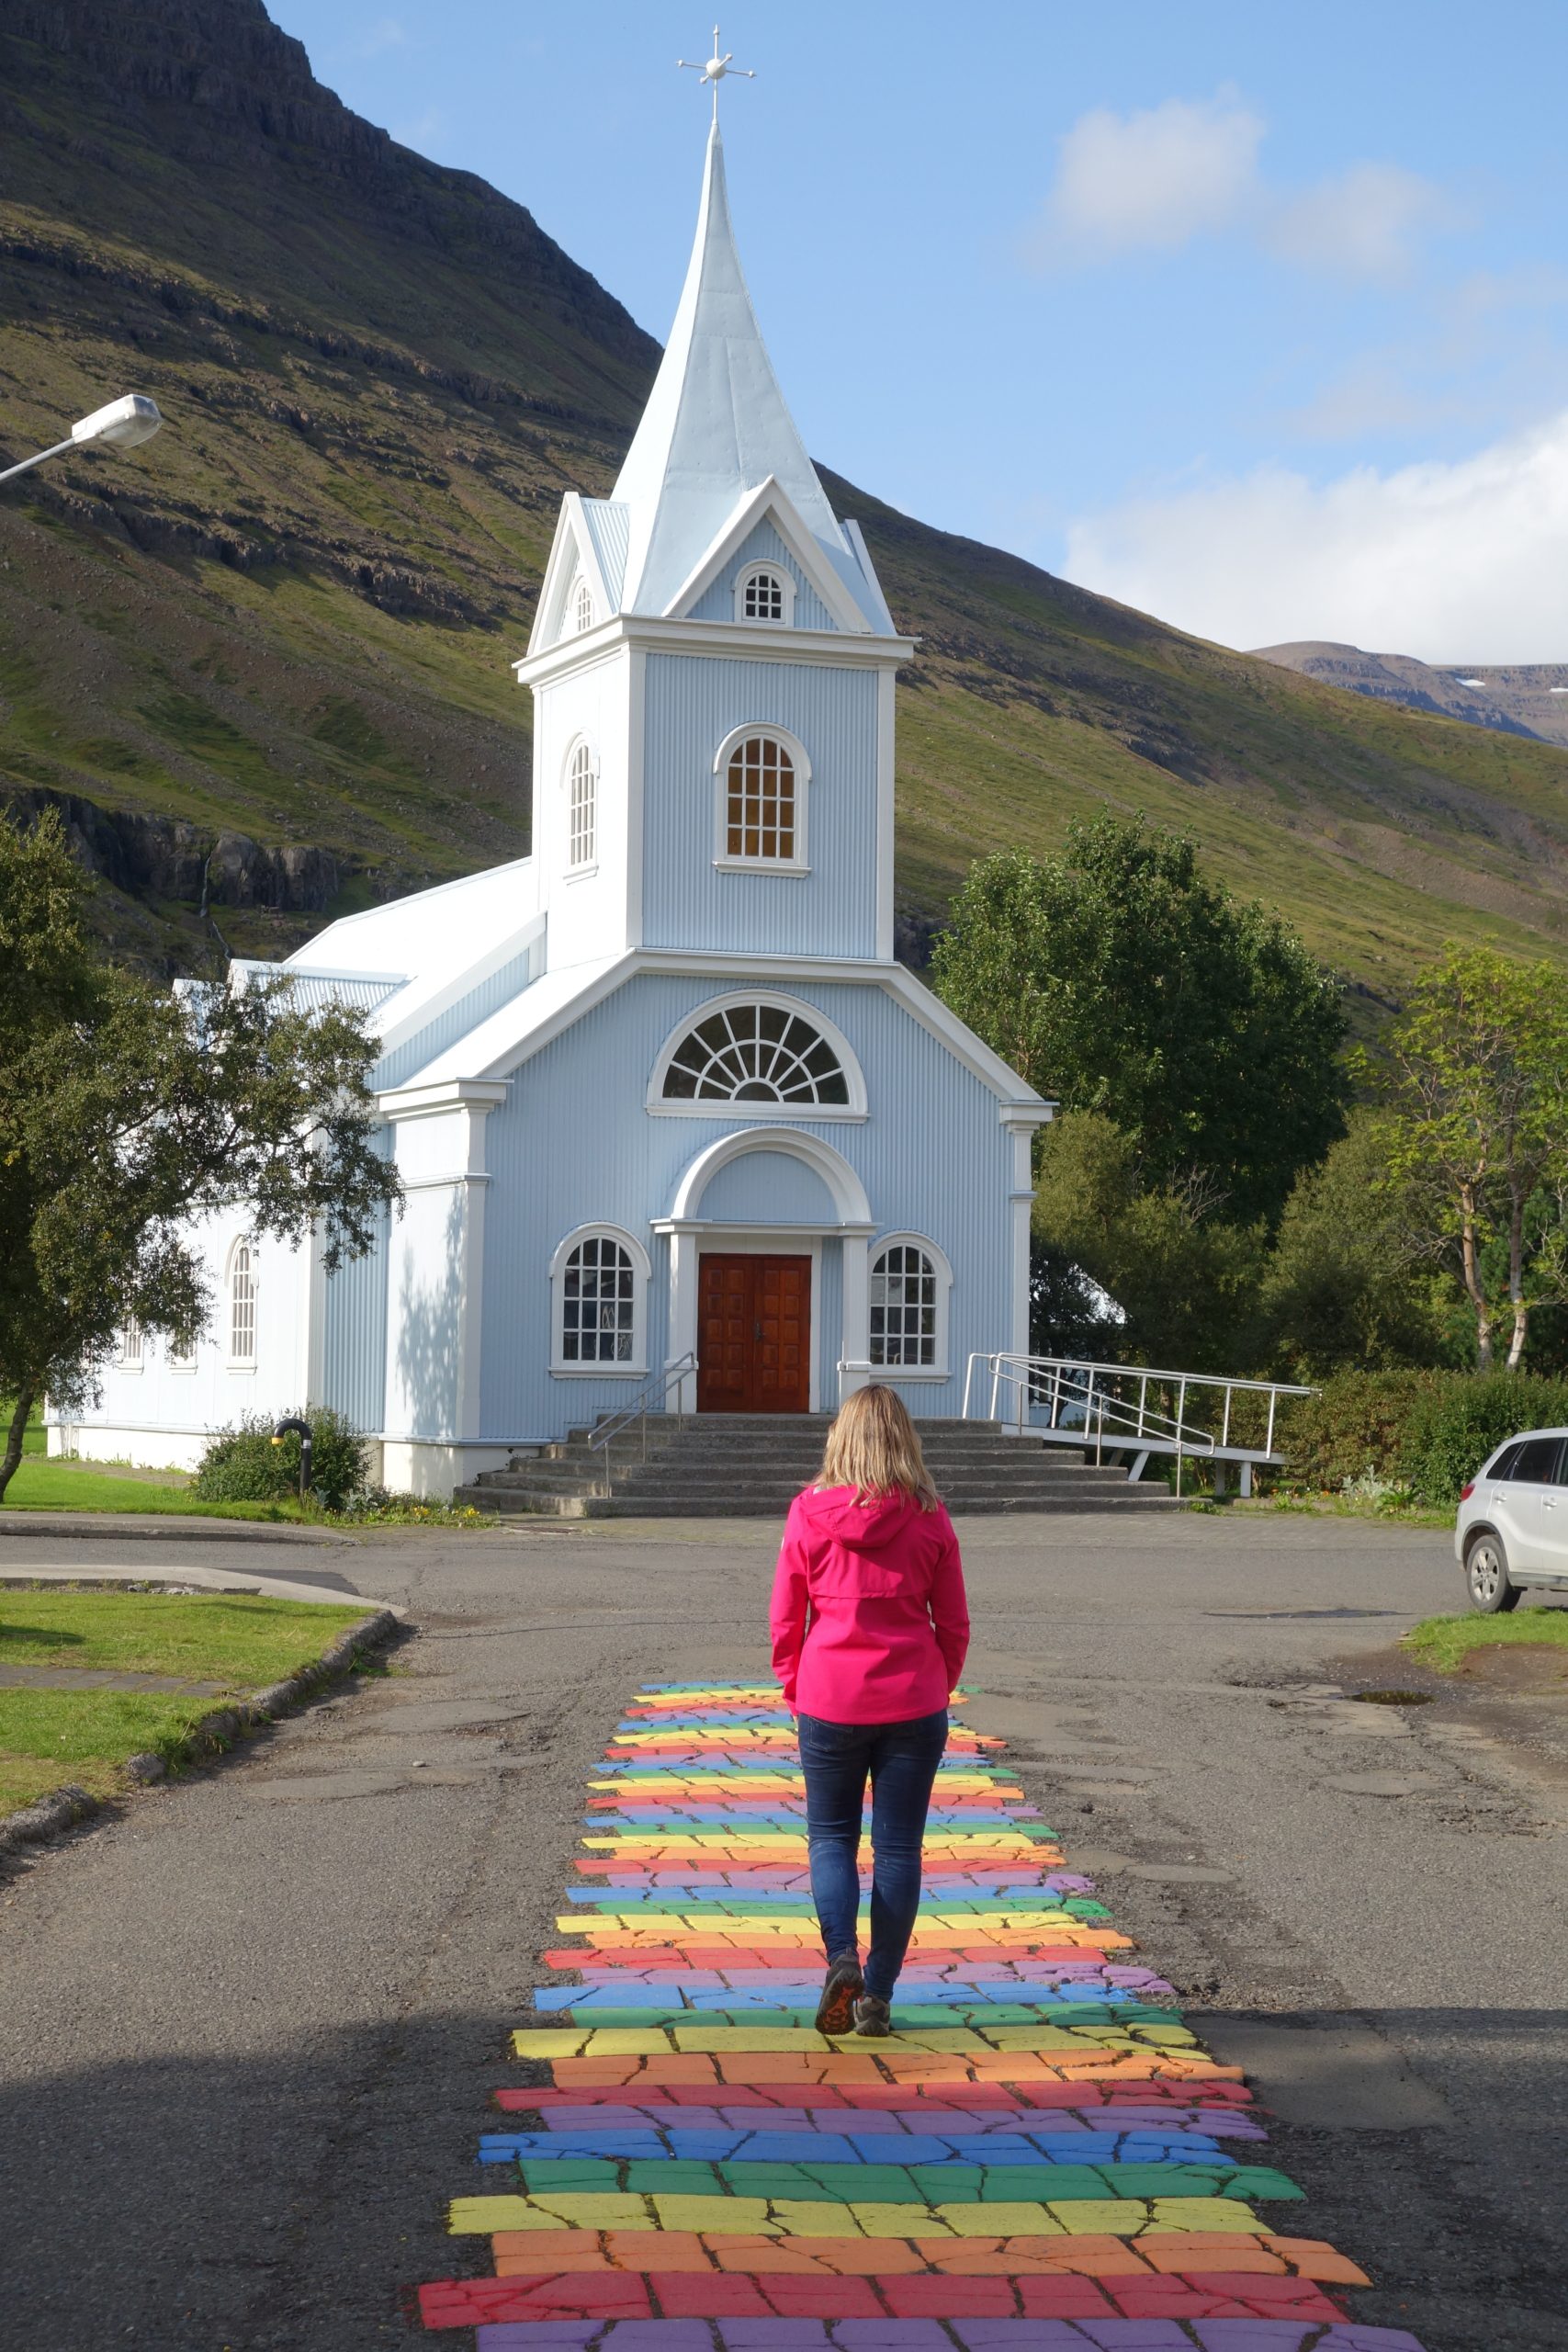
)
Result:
{"points": [[901, 1760]]}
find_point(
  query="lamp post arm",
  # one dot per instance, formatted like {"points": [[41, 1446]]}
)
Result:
{"points": [[28, 463]]}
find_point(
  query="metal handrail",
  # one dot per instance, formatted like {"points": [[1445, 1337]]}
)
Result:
{"points": [[652, 1393], [1096, 1389]]}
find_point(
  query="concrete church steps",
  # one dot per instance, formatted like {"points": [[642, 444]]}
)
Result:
{"points": [[737, 1465], [1040, 2157]]}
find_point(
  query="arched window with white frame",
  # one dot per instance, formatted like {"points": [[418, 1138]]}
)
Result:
{"points": [[132, 1346], [242, 1304], [735, 1053], [598, 1285], [763, 774], [582, 807], [910, 1279], [581, 606], [765, 593]]}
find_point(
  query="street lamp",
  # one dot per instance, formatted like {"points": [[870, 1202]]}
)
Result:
{"points": [[122, 424]]}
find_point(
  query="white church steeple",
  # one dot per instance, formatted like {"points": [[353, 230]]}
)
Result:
{"points": [[716, 429], [713, 663]]}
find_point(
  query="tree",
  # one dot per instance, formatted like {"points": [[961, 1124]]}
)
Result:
{"points": [[1117, 979], [1477, 1079], [1186, 1284], [127, 1113], [1344, 1291]]}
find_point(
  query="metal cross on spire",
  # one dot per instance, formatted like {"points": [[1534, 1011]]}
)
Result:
{"points": [[715, 69]]}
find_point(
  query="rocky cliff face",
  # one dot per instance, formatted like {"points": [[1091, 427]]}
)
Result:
{"points": [[218, 83]]}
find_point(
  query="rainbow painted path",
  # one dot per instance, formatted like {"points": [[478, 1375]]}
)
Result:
{"points": [[1041, 2156]]}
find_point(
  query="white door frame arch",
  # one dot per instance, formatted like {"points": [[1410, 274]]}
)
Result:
{"points": [[852, 1225]]}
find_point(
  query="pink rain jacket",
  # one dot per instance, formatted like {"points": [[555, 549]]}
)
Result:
{"points": [[869, 1621]]}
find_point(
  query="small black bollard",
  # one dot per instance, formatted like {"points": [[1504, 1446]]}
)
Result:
{"points": [[281, 1431]]}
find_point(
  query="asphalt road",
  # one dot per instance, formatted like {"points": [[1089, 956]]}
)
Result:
{"points": [[247, 2028]]}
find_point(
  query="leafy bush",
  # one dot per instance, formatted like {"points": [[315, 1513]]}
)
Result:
{"points": [[243, 1465], [1357, 1424], [1427, 1431], [1451, 1434]]}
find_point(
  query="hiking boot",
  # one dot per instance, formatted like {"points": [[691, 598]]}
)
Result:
{"points": [[841, 1989], [872, 2016]]}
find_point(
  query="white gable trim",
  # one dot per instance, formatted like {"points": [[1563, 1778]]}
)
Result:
{"points": [[880, 610], [571, 550], [1016, 1104], [769, 503], [405, 1020], [832, 647], [1019, 1103]]}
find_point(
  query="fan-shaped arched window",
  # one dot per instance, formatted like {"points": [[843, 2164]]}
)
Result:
{"points": [[754, 1053], [581, 818], [910, 1285], [243, 1304]]}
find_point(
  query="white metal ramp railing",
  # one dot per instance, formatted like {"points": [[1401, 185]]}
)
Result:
{"points": [[1133, 1409]]}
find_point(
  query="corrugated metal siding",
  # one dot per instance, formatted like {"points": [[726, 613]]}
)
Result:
{"points": [[573, 1144], [609, 528], [828, 1338], [466, 1014], [308, 992], [355, 1360], [692, 702], [767, 1188], [717, 602]]}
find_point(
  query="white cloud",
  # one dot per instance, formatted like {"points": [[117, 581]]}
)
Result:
{"points": [[1365, 221], [425, 133], [1150, 180], [388, 32], [1460, 561]]}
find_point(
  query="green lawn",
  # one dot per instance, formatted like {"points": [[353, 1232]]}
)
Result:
{"points": [[238, 1638], [1446, 1642], [48, 1737], [39, 1485]]}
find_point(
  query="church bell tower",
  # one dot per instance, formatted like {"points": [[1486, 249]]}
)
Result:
{"points": [[713, 666]]}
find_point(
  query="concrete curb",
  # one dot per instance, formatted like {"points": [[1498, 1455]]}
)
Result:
{"points": [[64, 1807], [148, 1527]]}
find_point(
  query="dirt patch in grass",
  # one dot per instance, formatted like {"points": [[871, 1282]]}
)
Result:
{"points": [[1520, 1665]]}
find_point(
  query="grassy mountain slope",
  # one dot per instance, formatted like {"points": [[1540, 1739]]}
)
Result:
{"points": [[289, 620]]}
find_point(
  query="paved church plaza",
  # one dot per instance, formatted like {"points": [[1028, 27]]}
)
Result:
{"points": [[260, 2028]]}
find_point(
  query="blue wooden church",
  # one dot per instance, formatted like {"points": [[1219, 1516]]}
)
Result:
{"points": [[665, 1108]]}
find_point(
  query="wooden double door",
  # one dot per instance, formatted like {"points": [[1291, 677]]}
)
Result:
{"points": [[754, 1334]]}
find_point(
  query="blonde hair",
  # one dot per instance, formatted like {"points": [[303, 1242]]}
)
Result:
{"points": [[872, 1447]]}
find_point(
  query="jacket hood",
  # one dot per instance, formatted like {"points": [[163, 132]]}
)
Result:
{"points": [[860, 1526]]}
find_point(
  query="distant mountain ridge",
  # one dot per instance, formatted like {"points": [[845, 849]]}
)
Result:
{"points": [[263, 662], [1522, 698]]}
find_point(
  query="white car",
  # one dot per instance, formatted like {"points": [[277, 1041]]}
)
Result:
{"points": [[1512, 1530]]}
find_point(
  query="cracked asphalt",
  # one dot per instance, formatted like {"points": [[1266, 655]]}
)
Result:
{"points": [[248, 2026]]}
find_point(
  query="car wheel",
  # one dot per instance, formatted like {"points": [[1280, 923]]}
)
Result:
{"points": [[1486, 1577]]}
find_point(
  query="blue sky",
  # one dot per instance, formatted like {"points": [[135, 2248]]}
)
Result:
{"points": [[1255, 317]]}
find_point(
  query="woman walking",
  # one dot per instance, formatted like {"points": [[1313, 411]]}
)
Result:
{"points": [[870, 1628]]}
